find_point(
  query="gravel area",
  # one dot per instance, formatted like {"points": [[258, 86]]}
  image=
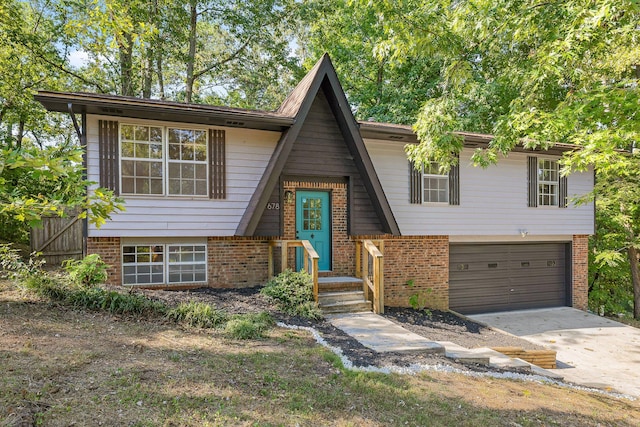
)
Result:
{"points": [[434, 325]]}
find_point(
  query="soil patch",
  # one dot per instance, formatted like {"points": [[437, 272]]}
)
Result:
{"points": [[434, 325]]}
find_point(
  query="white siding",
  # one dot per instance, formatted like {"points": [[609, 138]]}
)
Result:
{"points": [[493, 201], [248, 152]]}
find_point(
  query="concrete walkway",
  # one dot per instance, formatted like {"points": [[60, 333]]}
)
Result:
{"points": [[591, 350], [382, 335]]}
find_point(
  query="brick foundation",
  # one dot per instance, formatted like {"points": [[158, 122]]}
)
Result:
{"points": [[237, 262], [421, 259], [580, 271], [109, 250]]}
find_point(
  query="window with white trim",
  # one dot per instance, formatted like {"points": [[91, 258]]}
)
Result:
{"points": [[435, 187], [547, 182], [163, 160], [164, 264]]}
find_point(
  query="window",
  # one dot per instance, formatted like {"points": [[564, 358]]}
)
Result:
{"points": [[435, 188], [141, 151], [545, 186], [547, 182], [157, 160], [187, 161], [429, 185], [164, 264]]}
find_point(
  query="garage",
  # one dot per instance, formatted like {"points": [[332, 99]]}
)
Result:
{"points": [[500, 277]]}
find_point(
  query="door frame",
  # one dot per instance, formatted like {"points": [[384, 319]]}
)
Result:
{"points": [[328, 209]]}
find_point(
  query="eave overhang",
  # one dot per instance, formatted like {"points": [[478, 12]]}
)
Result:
{"points": [[153, 109]]}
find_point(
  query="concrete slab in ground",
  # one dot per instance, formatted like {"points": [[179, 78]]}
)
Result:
{"points": [[382, 335], [591, 350]]}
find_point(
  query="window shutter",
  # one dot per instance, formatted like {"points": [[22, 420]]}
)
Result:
{"points": [[562, 192], [109, 155], [532, 181], [415, 184], [217, 164], [454, 185]]}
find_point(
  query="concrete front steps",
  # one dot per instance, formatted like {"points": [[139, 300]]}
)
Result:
{"points": [[341, 295]]}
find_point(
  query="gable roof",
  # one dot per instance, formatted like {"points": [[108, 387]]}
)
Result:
{"points": [[321, 77]]}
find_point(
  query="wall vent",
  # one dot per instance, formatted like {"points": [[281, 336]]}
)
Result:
{"points": [[233, 123]]}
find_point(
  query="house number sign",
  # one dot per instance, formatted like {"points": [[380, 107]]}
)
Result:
{"points": [[273, 206]]}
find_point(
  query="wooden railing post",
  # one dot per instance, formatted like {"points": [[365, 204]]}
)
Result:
{"points": [[358, 258], [284, 255], [270, 271]]}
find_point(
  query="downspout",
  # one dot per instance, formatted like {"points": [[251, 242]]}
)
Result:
{"points": [[82, 137]]}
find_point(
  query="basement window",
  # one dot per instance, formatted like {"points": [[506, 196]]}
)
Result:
{"points": [[164, 264]]}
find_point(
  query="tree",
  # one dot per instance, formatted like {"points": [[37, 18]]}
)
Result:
{"points": [[378, 86], [40, 165], [533, 73]]}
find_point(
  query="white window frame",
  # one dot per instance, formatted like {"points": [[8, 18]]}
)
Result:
{"points": [[166, 161], [551, 197], [198, 263], [431, 174]]}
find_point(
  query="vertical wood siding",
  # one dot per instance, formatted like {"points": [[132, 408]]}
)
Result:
{"points": [[246, 156], [493, 201], [321, 151]]}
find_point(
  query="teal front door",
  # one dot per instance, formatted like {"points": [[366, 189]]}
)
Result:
{"points": [[313, 223]]}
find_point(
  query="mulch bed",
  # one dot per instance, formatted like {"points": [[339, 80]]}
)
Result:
{"points": [[434, 325]]}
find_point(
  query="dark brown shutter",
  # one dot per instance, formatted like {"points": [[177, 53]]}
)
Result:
{"points": [[415, 184], [217, 164], [454, 185], [562, 192], [532, 181], [109, 155]]}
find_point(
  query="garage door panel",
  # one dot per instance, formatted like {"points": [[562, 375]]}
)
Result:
{"points": [[485, 277]]}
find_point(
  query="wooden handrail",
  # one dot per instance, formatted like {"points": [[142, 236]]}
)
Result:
{"points": [[309, 254], [368, 251]]}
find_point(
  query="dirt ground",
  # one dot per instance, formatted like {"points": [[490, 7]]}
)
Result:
{"points": [[65, 367], [434, 325]]}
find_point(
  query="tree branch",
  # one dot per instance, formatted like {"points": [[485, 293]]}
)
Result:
{"points": [[224, 61]]}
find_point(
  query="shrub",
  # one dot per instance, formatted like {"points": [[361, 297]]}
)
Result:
{"points": [[293, 293], [114, 302], [197, 314], [89, 271], [249, 326]]}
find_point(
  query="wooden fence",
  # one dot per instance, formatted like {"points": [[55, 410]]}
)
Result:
{"points": [[58, 238]]}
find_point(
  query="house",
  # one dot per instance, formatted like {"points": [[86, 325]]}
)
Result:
{"points": [[209, 190]]}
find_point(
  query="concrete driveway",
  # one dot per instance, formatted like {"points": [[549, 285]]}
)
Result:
{"points": [[591, 351]]}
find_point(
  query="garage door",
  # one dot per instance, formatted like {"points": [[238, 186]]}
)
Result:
{"points": [[499, 277]]}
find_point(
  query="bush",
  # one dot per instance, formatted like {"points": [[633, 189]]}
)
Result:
{"points": [[293, 293], [88, 271], [197, 314], [249, 326]]}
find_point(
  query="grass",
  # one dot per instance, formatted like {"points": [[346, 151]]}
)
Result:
{"points": [[63, 365]]}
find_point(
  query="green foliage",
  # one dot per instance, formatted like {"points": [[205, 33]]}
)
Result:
{"points": [[293, 293], [197, 314], [378, 86], [420, 299], [249, 326], [90, 270], [114, 302]]}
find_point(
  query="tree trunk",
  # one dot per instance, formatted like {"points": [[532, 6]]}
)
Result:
{"points": [[126, 65], [191, 58], [20, 135], [633, 253], [160, 76]]}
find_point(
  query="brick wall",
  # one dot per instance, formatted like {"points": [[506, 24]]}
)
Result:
{"points": [[109, 250], [580, 271], [422, 259], [232, 261], [237, 262]]}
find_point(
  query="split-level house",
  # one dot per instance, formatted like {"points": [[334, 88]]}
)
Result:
{"points": [[213, 194]]}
